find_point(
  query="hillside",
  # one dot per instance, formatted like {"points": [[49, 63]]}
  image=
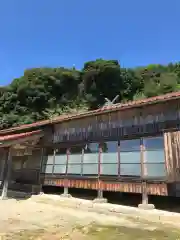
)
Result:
{"points": [[43, 93]]}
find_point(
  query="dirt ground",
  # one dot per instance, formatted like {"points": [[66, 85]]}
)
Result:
{"points": [[35, 219]]}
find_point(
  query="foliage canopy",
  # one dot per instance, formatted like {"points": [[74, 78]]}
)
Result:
{"points": [[43, 93]]}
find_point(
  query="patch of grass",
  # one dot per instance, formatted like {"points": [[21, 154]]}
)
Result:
{"points": [[97, 232], [25, 235], [125, 233]]}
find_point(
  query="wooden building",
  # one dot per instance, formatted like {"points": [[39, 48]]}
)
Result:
{"points": [[132, 147]]}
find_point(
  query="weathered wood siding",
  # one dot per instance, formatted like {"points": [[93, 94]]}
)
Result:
{"points": [[172, 155], [26, 169], [129, 187], [124, 124]]}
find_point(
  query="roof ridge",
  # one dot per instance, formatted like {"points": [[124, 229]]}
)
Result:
{"points": [[114, 107]]}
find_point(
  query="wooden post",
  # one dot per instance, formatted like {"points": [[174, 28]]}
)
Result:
{"points": [[100, 198], [82, 161], [54, 156], [144, 205], [100, 193], [7, 175], [144, 193], [143, 174], [66, 190], [119, 161], [41, 166], [3, 166]]}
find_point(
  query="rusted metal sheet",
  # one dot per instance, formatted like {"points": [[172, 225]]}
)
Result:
{"points": [[172, 155], [152, 188]]}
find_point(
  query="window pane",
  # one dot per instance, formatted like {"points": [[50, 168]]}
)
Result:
{"points": [[49, 159], [109, 157], [130, 157], [60, 159], [75, 154], [91, 158], [155, 170], [60, 169], [130, 145], [47, 168], [76, 149], [154, 143], [109, 147], [130, 169], [74, 169], [61, 151], [91, 148], [154, 156], [90, 169], [110, 152], [109, 169], [75, 158]]}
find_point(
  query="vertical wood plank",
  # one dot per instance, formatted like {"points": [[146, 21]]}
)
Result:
{"points": [[82, 161], [7, 174], [172, 155], [119, 160], [54, 156]]}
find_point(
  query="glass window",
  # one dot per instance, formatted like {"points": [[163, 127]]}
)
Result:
{"points": [[49, 159], [153, 143], [155, 170], [61, 156], [130, 157], [109, 152], [60, 169], [76, 149], [47, 168], [91, 153], [75, 155], [130, 169], [91, 148], [61, 159], [74, 169], [48, 156], [109, 169], [130, 145], [90, 169], [90, 159], [154, 156], [109, 147], [61, 151], [109, 158]]}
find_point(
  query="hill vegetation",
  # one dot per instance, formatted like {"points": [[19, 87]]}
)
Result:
{"points": [[43, 93]]}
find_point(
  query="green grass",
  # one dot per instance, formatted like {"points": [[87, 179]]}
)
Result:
{"points": [[98, 232], [125, 233]]}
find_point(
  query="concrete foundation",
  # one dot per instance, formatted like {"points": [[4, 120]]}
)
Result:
{"points": [[146, 206], [66, 193], [100, 198]]}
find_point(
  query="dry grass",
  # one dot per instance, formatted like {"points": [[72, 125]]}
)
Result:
{"points": [[31, 220], [94, 232]]}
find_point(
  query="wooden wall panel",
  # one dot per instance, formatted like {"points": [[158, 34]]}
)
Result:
{"points": [[172, 155], [129, 123], [152, 188]]}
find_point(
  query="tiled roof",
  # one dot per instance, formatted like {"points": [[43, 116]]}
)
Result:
{"points": [[18, 136], [115, 107]]}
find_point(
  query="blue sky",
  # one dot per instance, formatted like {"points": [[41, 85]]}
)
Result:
{"points": [[37, 33]]}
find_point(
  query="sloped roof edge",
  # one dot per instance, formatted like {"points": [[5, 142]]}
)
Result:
{"points": [[19, 136], [115, 107]]}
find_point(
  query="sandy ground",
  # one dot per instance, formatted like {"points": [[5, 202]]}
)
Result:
{"points": [[34, 219]]}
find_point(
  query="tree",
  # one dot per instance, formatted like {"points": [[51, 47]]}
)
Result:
{"points": [[44, 93]]}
